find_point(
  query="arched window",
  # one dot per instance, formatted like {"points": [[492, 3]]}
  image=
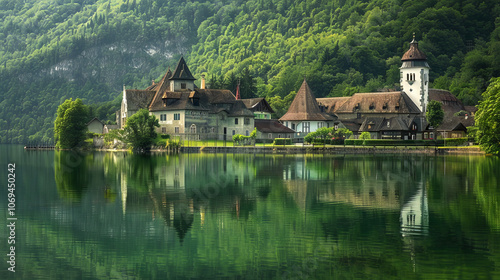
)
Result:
{"points": [[192, 129]]}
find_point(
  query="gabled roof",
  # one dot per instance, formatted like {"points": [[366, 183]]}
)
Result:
{"points": [[95, 119], [351, 124], [372, 124], [138, 99], [378, 102], [271, 126], [304, 107], [179, 101], [394, 124], [332, 103], [217, 96], [182, 72], [449, 101], [258, 104], [238, 109]]}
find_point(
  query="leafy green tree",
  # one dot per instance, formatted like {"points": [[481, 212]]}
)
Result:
{"points": [[434, 114], [365, 135], [71, 124], [488, 118], [342, 133], [140, 130]]}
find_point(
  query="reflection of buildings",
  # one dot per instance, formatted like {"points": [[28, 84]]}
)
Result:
{"points": [[415, 214]]}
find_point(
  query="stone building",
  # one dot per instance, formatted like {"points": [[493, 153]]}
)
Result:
{"points": [[390, 115], [188, 111], [305, 115]]}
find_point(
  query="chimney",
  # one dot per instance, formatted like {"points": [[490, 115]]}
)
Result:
{"points": [[202, 81]]}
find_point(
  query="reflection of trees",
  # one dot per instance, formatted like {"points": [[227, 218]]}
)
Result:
{"points": [[71, 174], [487, 190]]}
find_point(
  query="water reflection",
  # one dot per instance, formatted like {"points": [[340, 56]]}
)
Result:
{"points": [[263, 216]]}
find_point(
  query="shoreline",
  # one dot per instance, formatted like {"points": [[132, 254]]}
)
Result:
{"points": [[317, 150], [463, 150]]}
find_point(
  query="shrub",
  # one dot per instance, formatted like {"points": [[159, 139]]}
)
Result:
{"points": [[165, 136], [354, 142], [162, 142], [365, 135], [456, 141], [282, 141]]}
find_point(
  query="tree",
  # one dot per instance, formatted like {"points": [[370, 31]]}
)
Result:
{"points": [[70, 125], [434, 114], [488, 118], [343, 133], [365, 135], [140, 130]]}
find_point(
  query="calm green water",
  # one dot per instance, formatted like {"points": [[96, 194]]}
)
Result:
{"points": [[225, 216]]}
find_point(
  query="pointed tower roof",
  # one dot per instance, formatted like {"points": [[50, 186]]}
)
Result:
{"points": [[304, 107], [414, 53], [238, 97], [182, 72]]}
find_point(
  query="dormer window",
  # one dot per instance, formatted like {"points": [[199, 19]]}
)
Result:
{"points": [[397, 106], [356, 107], [384, 107], [372, 106]]}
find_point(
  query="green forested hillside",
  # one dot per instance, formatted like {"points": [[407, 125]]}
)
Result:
{"points": [[51, 50]]}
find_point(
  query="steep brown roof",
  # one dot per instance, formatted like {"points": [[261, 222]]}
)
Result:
{"points": [[182, 72], [413, 53], [271, 126], [216, 96], [178, 101], [449, 101], [351, 124], [378, 102], [238, 109], [138, 99], [258, 104], [304, 107], [332, 103]]}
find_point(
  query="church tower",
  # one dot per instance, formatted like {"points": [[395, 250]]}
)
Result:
{"points": [[414, 79]]}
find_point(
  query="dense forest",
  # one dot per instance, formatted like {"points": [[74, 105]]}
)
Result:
{"points": [[53, 50]]}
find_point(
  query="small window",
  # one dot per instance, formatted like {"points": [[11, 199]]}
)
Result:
{"points": [[306, 127], [234, 132], [235, 120], [163, 130], [247, 121], [177, 117], [163, 117], [270, 135], [176, 130], [212, 130], [192, 129], [183, 85], [293, 126], [247, 133]]}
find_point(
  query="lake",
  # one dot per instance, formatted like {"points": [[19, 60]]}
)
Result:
{"points": [[243, 216]]}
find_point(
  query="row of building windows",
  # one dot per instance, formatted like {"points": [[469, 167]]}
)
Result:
{"points": [[246, 121], [163, 117]]}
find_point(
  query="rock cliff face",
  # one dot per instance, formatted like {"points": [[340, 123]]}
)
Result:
{"points": [[113, 64]]}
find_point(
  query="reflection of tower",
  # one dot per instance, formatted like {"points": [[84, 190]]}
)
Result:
{"points": [[414, 221], [123, 188], [415, 215]]}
